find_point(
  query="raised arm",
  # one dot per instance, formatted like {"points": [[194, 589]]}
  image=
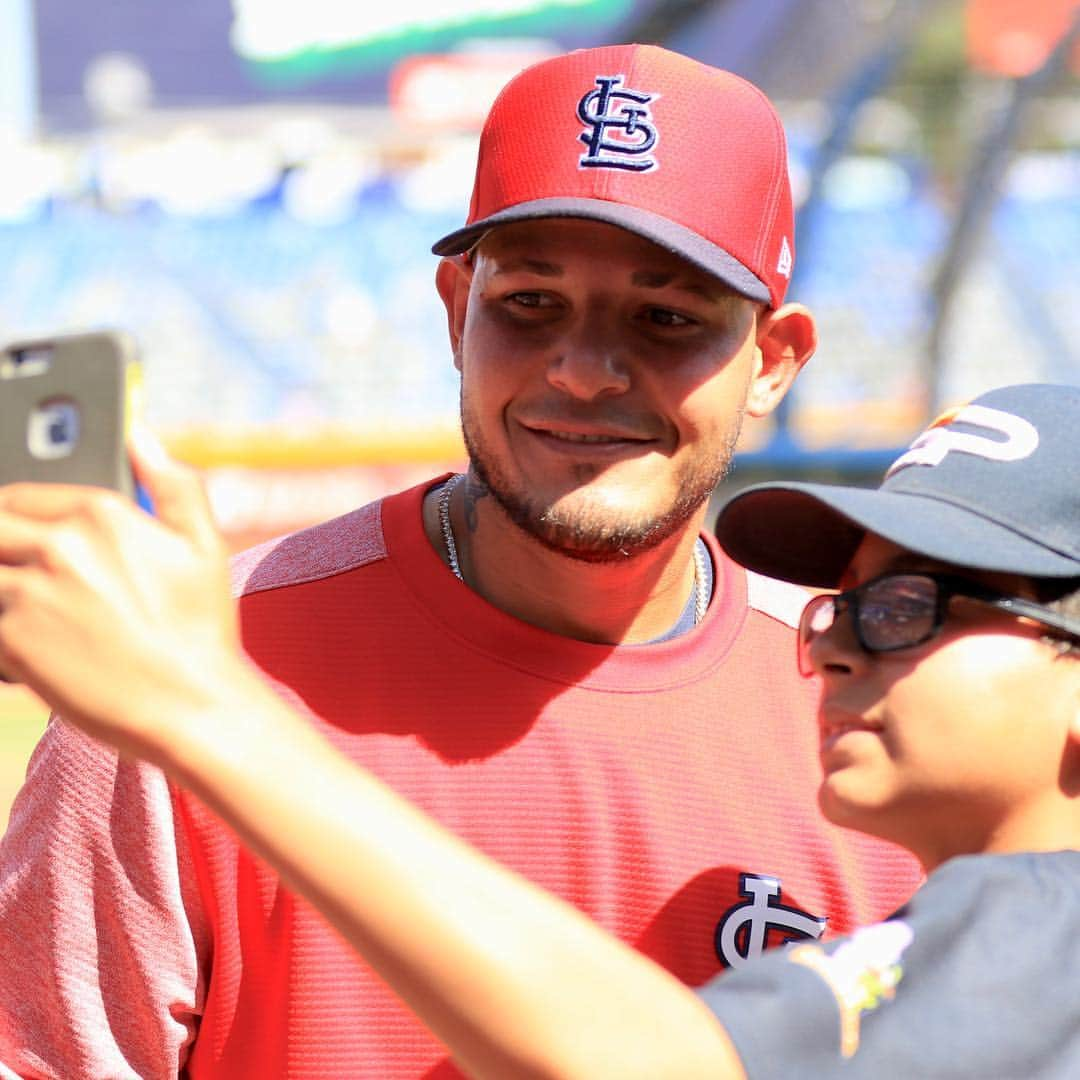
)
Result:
{"points": [[124, 625]]}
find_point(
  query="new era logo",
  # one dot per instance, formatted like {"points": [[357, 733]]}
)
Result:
{"points": [[783, 264]]}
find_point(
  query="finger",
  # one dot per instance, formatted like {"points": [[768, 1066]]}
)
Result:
{"points": [[20, 540], [52, 502], [10, 581], [176, 491]]}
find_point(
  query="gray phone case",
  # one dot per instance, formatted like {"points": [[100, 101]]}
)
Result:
{"points": [[63, 410]]}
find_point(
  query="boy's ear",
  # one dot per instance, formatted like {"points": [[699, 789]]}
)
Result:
{"points": [[1070, 759], [786, 338]]}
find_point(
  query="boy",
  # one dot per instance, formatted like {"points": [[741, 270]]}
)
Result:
{"points": [[950, 723]]}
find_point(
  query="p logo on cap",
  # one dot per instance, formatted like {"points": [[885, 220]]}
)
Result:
{"points": [[1008, 438]]}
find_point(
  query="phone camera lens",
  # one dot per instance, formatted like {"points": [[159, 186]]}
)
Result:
{"points": [[54, 430], [59, 431]]}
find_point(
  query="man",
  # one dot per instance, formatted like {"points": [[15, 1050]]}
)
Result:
{"points": [[546, 655], [950, 722]]}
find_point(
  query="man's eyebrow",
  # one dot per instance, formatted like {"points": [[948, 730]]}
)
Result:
{"points": [[660, 279], [524, 262]]}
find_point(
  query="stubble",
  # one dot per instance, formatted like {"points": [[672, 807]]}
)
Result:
{"points": [[591, 531]]}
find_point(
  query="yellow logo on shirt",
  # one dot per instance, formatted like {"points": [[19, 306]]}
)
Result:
{"points": [[862, 973]]}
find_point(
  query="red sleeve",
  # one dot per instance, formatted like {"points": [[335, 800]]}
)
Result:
{"points": [[99, 972]]}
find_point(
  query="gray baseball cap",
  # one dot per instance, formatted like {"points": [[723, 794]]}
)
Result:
{"points": [[992, 485]]}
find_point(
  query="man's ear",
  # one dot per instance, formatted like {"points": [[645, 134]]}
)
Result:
{"points": [[453, 279], [786, 338]]}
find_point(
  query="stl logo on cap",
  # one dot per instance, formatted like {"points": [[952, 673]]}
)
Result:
{"points": [[625, 113], [1010, 438]]}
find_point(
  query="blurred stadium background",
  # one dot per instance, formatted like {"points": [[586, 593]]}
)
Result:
{"points": [[250, 187]]}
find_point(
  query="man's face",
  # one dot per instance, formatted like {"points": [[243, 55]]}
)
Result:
{"points": [[945, 746], [603, 382]]}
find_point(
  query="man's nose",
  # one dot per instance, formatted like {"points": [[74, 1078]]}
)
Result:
{"points": [[590, 363]]}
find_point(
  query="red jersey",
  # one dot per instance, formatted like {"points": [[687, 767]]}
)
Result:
{"points": [[668, 790]]}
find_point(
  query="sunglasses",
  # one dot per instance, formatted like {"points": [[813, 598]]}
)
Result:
{"points": [[901, 610]]}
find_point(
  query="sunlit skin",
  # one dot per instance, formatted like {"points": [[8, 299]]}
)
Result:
{"points": [[970, 742], [604, 381]]}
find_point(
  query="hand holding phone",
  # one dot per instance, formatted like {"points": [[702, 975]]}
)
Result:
{"points": [[102, 607], [121, 621]]}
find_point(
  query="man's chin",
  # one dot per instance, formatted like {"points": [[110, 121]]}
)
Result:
{"points": [[590, 537], [601, 519]]}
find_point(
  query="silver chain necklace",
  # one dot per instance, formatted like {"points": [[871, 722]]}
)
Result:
{"points": [[444, 520], [701, 599]]}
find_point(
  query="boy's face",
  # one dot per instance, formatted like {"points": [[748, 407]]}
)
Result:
{"points": [[954, 746]]}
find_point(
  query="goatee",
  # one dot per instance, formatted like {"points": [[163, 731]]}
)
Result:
{"points": [[595, 533]]}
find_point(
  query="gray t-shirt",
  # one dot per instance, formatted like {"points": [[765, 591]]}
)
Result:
{"points": [[977, 976]]}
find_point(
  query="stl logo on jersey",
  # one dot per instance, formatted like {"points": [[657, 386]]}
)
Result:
{"points": [[761, 920]]}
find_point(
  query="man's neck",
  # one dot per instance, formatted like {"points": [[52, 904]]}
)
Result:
{"points": [[633, 600]]}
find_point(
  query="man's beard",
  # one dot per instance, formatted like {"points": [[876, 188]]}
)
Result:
{"points": [[590, 533]]}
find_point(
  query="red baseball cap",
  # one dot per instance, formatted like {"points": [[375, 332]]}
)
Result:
{"points": [[686, 155]]}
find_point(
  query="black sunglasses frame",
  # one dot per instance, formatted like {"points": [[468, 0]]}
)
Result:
{"points": [[947, 586]]}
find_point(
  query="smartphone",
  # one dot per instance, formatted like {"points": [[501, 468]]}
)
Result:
{"points": [[65, 406]]}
